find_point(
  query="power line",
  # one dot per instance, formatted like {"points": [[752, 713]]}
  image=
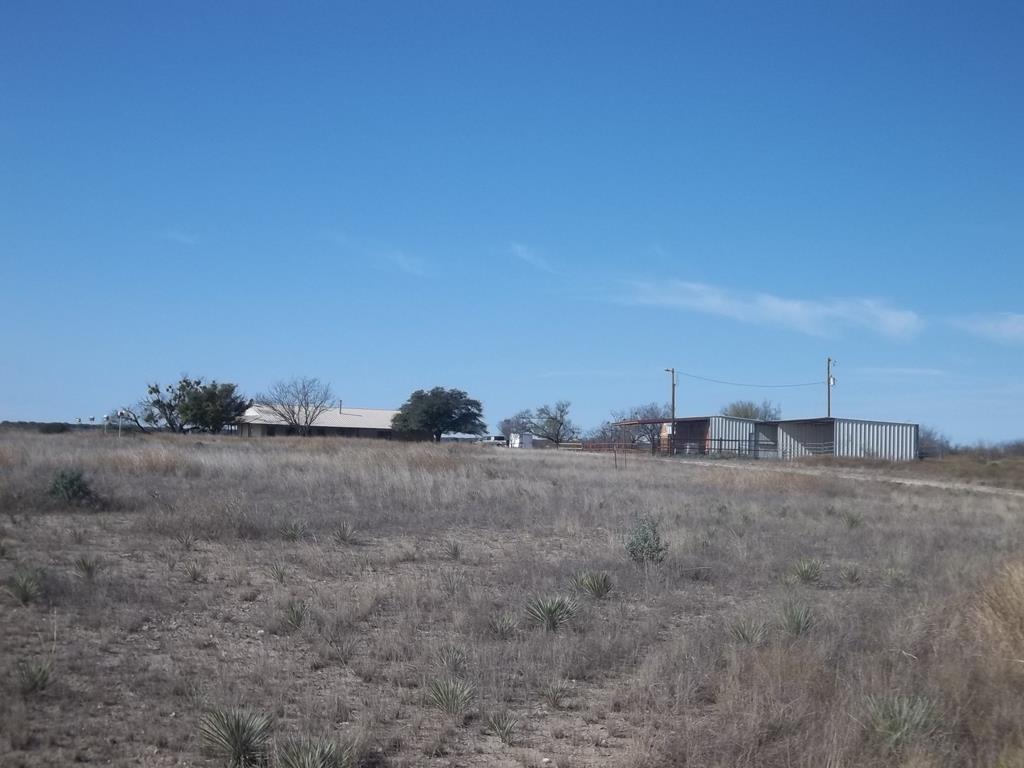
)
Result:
{"points": [[754, 386]]}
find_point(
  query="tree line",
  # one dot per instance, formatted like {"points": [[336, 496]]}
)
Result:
{"points": [[198, 405]]}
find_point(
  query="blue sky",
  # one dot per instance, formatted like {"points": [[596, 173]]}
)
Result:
{"points": [[529, 201]]}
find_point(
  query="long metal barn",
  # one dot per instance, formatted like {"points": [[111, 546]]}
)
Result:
{"points": [[787, 439]]}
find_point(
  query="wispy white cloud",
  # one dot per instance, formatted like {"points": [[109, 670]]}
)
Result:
{"points": [[530, 256], [179, 237], [810, 316], [406, 263], [1005, 327]]}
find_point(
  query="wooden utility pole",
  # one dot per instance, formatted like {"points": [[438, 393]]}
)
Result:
{"points": [[829, 383]]}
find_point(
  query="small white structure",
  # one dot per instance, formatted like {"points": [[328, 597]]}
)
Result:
{"points": [[520, 440]]}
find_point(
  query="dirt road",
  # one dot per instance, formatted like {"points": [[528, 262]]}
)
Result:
{"points": [[855, 474]]}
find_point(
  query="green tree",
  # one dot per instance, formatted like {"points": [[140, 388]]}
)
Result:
{"points": [[211, 406], [438, 411], [188, 404], [161, 408]]}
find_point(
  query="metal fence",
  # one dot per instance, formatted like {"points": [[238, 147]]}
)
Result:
{"points": [[709, 447]]}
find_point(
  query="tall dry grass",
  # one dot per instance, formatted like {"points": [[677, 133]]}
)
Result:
{"points": [[914, 662]]}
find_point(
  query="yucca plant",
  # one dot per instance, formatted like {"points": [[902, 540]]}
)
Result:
{"points": [[597, 585], [808, 570], [345, 533], [186, 539], [797, 618], [452, 580], [87, 567], [26, 585], [556, 692], [278, 572], [293, 530], [295, 614], [894, 577], [852, 519], [34, 676], [850, 574], [551, 612], [748, 631], [452, 549], [312, 753], [194, 571], [240, 737], [503, 725], [502, 625], [452, 660], [451, 695], [898, 718]]}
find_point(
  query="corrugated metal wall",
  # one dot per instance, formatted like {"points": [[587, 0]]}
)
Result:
{"points": [[876, 439], [731, 435], [805, 438]]}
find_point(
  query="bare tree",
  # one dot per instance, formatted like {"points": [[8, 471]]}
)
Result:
{"points": [[553, 423], [298, 402], [521, 422], [650, 417], [748, 409], [931, 442]]}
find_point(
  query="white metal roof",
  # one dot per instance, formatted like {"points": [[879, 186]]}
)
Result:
{"points": [[346, 418]]}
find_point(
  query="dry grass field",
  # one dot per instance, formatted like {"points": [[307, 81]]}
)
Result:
{"points": [[401, 602]]}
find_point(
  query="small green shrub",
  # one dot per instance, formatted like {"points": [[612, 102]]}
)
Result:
{"points": [[452, 549], [551, 612], [850, 574], [894, 577], [87, 567], [451, 695], [452, 581], [452, 660], [748, 631], [295, 614], [502, 625], [278, 572], [71, 486], [597, 585], [239, 737], [797, 618], [643, 543], [897, 719], [26, 585], [556, 692], [808, 570], [34, 676], [194, 571], [315, 753], [852, 519], [503, 725], [293, 530], [345, 533]]}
